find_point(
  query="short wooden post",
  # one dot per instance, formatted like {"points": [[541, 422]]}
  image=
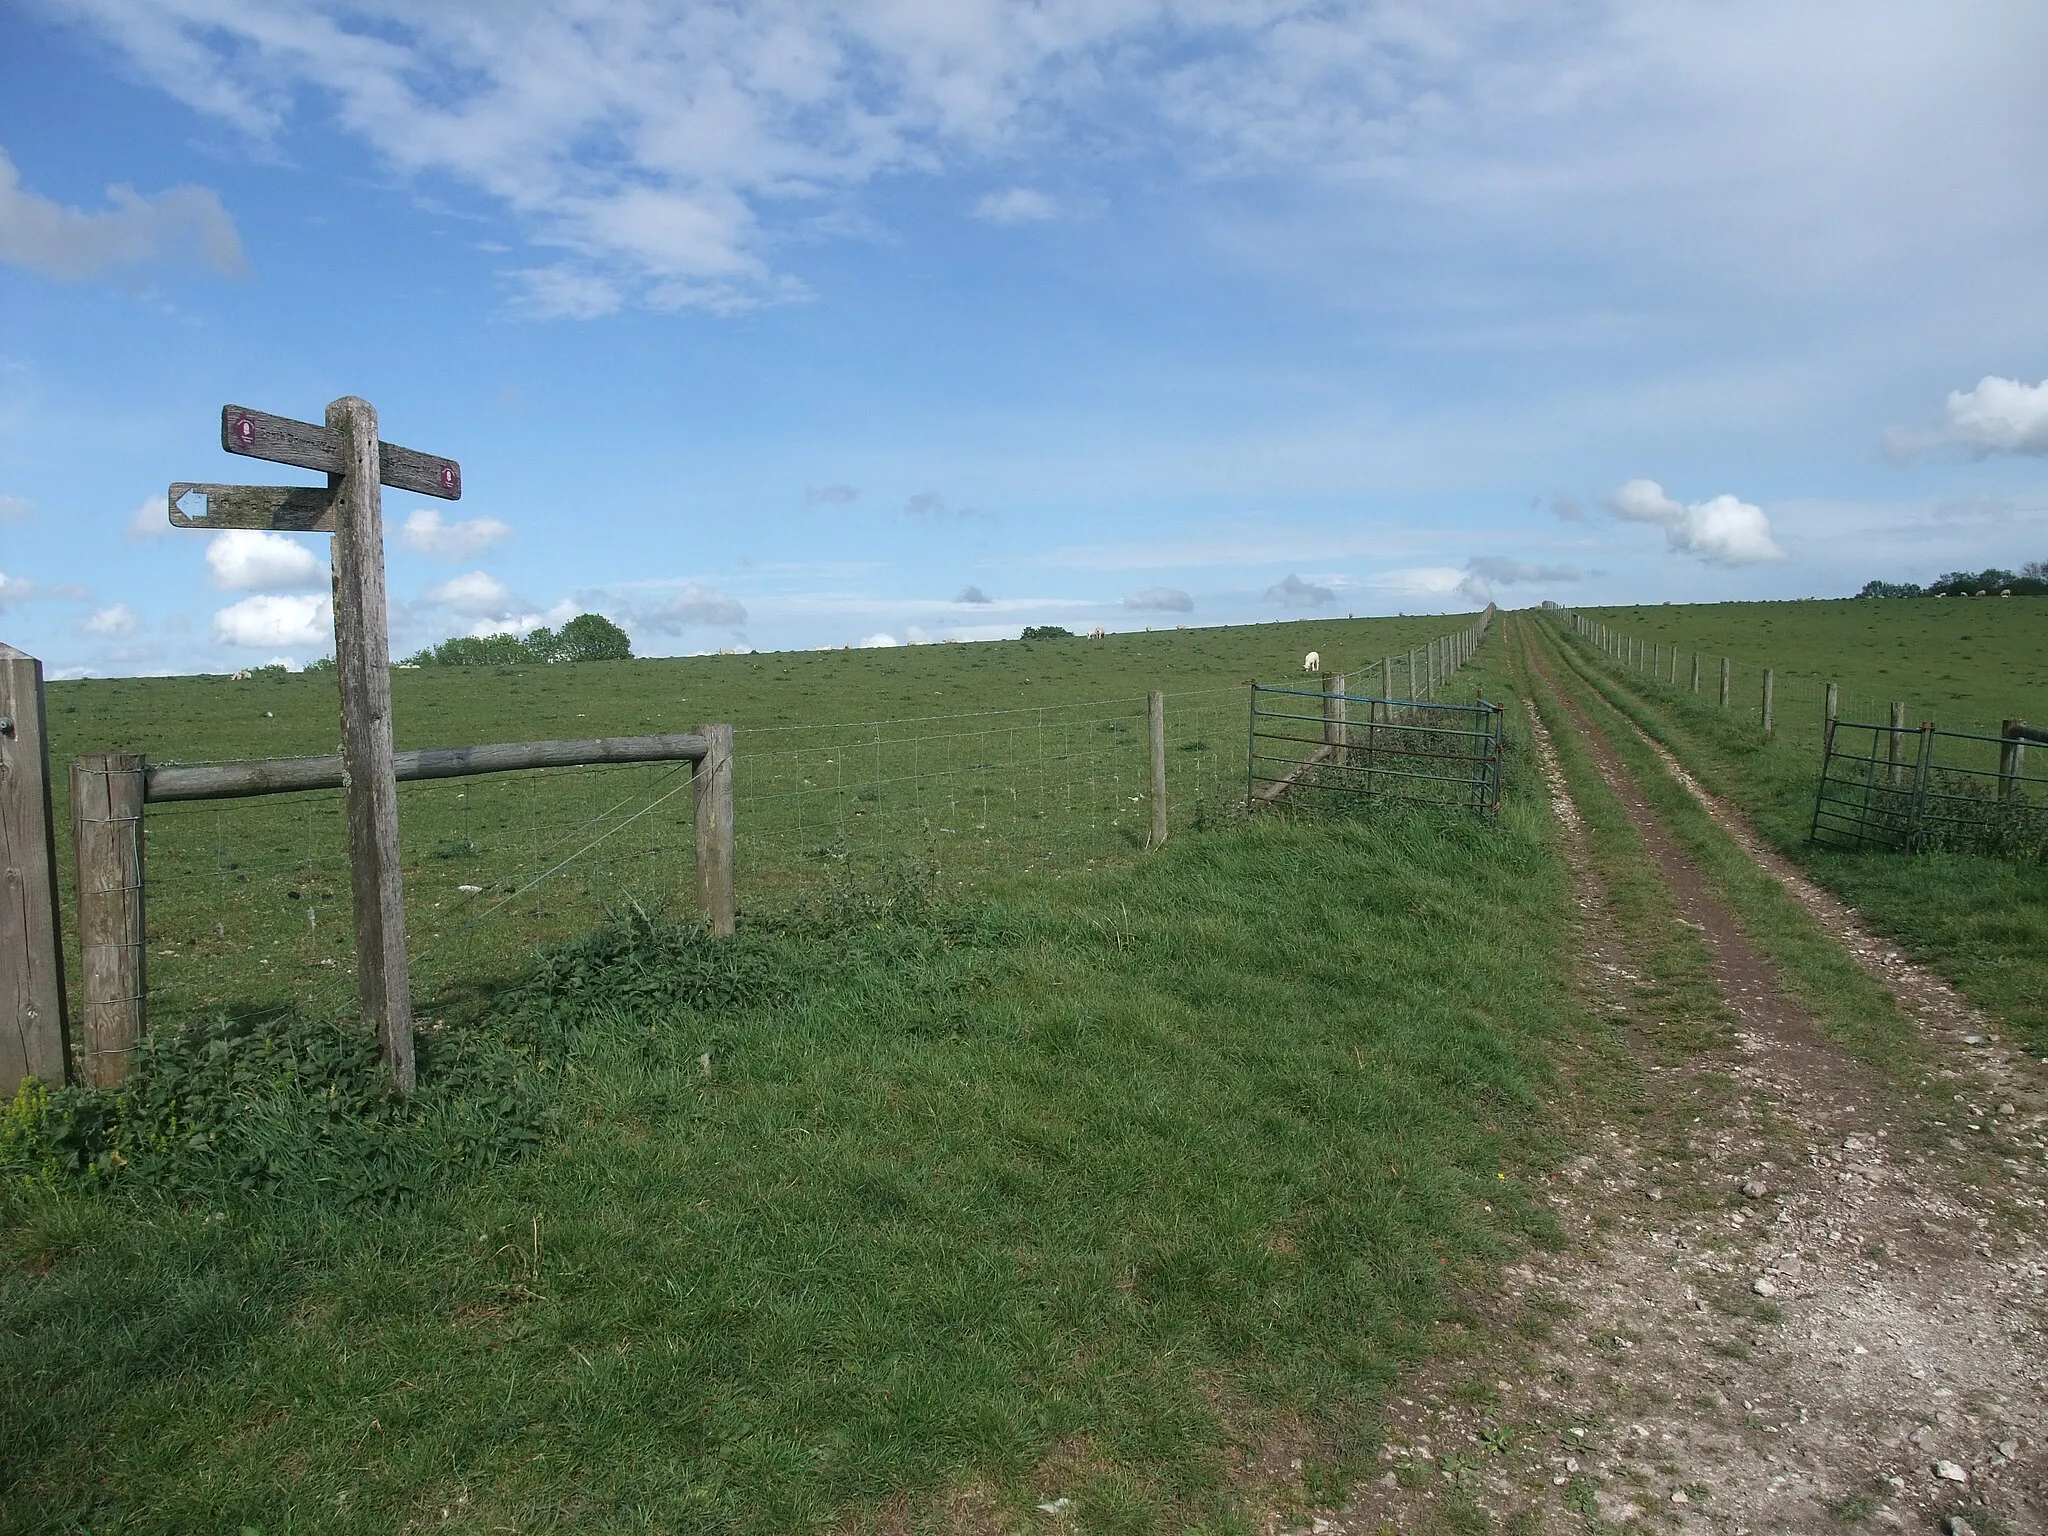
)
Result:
{"points": [[1830, 709], [1335, 686], [106, 832], [1414, 676], [2008, 760], [1770, 679], [1155, 720], [1896, 752], [712, 787], [1724, 682], [1695, 671], [1657, 661], [362, 651], [34, 1036], [1387, 677]]}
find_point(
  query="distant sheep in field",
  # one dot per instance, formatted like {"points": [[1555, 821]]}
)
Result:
{"points": [[1312, 662]]}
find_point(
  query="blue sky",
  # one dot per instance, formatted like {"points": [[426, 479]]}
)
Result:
{"points": [[782, 325]]}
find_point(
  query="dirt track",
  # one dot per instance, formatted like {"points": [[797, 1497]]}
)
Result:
{"points": [[1794, 1297]]}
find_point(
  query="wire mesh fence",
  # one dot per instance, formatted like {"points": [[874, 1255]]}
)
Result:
{"points": [[1927, 790]]}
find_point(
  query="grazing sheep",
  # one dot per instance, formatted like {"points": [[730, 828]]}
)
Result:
{"points": [[1312, 662]]}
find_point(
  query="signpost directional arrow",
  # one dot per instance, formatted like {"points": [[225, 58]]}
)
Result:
{"points": [[290, 508]]}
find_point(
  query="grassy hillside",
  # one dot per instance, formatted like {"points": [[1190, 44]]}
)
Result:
{"points": [[972, 761]]}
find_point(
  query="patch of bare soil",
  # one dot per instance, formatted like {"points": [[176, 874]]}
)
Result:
{"points": [[1796, 1297]]}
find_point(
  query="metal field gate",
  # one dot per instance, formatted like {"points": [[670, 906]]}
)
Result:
{"points": [[1338, 747], [1922, 790]]}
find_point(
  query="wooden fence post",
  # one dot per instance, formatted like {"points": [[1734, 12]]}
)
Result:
{"points": [[2008, 760], [1414, 677], [1335, 686], [712, 787], [1830, 710], [1770, 678], [1387, 677], [362, 651], [1155, 720], [1895, 754], [1695, 671], [1724, 682], [106, 831], [34, 1033]]}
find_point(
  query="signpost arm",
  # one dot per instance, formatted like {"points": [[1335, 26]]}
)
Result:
{"points": [[362, 648]]}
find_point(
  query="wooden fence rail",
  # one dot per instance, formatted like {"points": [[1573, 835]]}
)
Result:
{"points": [[109, 792]]}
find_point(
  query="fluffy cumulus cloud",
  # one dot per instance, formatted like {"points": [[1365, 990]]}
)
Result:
{"points": [[1722, 531], [1998, 416], [256, 560], [464, 538], [275, 621], [1160, 600], [475, 595], [690, 606], [72, 244], [1018, 205], [1292, 592], [974, 595], [113, 623]]}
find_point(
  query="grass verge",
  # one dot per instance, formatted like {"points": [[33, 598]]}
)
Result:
{"points": [[922, 1211]]}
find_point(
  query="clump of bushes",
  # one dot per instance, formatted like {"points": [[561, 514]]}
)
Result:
{"points": [[1047, 632], [587, 637], [2031, 580]]}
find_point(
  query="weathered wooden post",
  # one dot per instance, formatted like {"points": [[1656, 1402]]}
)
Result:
{"points": [[712, 787], [1896, 752], [1695, 671], [1414, 677], [1335, 686], [1830, 709], [1770, 679], [362, 654], [34, 1032], [1155, 721], [351, 507], [2008, 759], [1724, 682], [1386, 677], [1657, 661], [106, 832]]}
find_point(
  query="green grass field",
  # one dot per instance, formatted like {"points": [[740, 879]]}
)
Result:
{"points": [[910, 1204], [974, 760], [1982, 922]]}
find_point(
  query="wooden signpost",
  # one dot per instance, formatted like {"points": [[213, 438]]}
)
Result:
{"points": [[351, 507]]}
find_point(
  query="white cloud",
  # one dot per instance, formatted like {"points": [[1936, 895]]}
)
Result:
{"points": [[71, 244], [257, 560], [114, 622], [1998, 416], [662, 150], [1292, 592], [463, 539], [272, 621], [1018, 205], [1508, 571], [475, 595], [1722, 531], [831, 495], [688, 605], [16, 509], [1160, 600], [150, 520], [878, 642], [15, 589]]}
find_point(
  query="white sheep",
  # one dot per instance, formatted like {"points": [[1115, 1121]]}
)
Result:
{"points": [[1312, 662]]}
